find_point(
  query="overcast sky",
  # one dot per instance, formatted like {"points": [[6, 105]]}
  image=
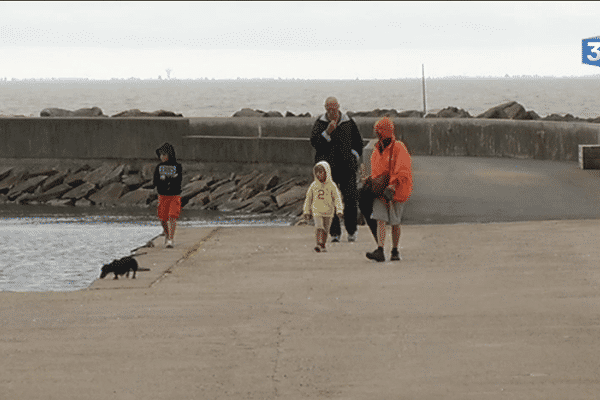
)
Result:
{"points": [[309, 40]]}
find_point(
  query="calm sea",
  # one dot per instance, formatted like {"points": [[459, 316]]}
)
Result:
{"points": [[222, 98]]}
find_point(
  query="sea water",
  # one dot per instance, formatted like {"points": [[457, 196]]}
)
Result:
{"points": [[222, 98], [53, 252]]}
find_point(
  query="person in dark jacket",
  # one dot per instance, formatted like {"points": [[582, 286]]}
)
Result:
{"points": [[337, 140], [167, 180]]}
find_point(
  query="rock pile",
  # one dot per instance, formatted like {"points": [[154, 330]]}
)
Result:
{"points": [[508, 110], [97, 112], [248, 112], [82, 112], [123, 185], [137, 113]]}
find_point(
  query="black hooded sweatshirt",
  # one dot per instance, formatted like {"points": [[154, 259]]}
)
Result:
{"points": [[168, 174]]}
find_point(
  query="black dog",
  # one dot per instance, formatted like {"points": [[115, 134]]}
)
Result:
{"points": [[120, 267]]}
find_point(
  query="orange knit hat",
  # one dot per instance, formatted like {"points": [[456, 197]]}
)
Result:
{"points": [[385, 128]]}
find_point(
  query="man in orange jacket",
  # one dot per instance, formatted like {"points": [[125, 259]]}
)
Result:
{"points": [[389, 157]]}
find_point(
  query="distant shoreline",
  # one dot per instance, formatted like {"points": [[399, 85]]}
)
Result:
{"points": [[457, 77]]}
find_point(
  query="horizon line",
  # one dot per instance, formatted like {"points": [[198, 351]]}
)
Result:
{"points": [[506, 76]]}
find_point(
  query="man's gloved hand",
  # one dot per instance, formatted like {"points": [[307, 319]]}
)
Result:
{"points": [[388, 193]]}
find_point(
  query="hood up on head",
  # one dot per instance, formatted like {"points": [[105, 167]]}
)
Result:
{"points": [[384, 128], [325, 165], [168, 150]]}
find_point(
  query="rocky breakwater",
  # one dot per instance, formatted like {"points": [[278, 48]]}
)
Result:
{"points": [[508, 110], [124, 185], [97, 112]]}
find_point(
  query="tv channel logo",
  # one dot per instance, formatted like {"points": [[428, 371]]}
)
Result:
{"points": [[590, 51]]}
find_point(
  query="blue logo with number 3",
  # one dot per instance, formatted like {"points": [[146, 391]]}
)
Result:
{"points": [[590, 51]]}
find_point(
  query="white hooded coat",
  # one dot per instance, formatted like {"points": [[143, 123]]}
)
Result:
{"points": [[323, 199]]}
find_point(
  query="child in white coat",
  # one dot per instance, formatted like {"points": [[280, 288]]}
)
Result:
{"points": [[323, 201]]}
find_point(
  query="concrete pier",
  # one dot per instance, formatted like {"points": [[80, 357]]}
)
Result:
{"points": [[474, 310]]}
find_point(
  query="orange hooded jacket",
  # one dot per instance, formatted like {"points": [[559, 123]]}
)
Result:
{"points": [[401, 169]]}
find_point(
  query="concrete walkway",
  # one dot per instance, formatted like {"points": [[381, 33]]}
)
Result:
{"points": [[474, 311], [478, 189]]}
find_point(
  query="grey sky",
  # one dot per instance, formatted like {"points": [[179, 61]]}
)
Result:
{"points": [[367, 40]]}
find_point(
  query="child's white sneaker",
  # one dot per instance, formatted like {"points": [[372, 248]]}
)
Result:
{"points": [[169, 244]]}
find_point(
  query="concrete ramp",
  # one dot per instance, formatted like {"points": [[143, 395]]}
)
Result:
{"points": [[477, 189]]}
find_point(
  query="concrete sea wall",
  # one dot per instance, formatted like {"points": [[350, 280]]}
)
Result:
{"points": [[279, 141]]}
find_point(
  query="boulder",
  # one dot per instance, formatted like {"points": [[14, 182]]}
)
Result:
{"points": [[271, 114], [81, 191], [109, 195], [105, 174], [245, 192], [82, 112], [244, 179], [139, 197], [553, 117], [410, 114], [227, 188], [76, 179], [453, 112], [40, 171], [53, 181], [4, 172], [377, 113], [509, 110], [199, 200], [293, 209], [60, 202], [287, 185], [230, 205], [148, 170], [532, 115], [137, 113], [291, 196], [257, 204], [265, 181], [133, 181], [515, 111], [56, 112], [89, 112], [248, 112], [53, 193], [83, 203], [164, 113], [193, 189], [291, 114], [14, 178], [27, 186]]}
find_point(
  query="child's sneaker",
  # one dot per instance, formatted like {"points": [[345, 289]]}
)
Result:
{"points": [[169, 244], [352, 238], [335, 239], [318, 249], [396, 255], [376, 255]]}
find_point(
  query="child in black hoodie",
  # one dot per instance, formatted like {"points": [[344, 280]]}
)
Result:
{"points": [[167, 180]]}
